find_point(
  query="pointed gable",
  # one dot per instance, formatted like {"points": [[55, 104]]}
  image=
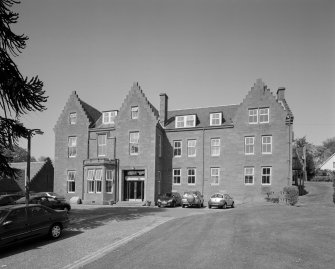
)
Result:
{"points": [[137, 97]]}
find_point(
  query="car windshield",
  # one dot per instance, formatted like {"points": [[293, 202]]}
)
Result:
{"points": [[217, 195], [3, 213], [167, 195]]}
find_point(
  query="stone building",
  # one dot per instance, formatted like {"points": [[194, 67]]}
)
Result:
{"points": [[137, 152]]}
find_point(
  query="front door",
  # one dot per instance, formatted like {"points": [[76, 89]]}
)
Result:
{"points": [[135, 190]]}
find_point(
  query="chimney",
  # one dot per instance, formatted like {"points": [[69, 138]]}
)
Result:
{"points": [[281, 94], [163, 108]]}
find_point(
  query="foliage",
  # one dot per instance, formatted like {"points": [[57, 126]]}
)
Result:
{"points": [[324, 151], [18, 95], [299, 144], [18, 154], [291, 194]]}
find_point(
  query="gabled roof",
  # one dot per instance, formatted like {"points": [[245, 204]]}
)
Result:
{"points": [[92, 113], [328, 159], [203, 115]]}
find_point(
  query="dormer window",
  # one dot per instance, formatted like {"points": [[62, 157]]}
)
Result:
{"points": [[185, 121], [73, 118], [215, 119], [134, 112], [108, 117]]}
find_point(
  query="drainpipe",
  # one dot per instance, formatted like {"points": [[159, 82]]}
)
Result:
{"points": [[289, 155], [203, 160]]}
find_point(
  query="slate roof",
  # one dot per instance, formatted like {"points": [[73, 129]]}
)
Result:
{"points": [[203, 116], [92, 113]]}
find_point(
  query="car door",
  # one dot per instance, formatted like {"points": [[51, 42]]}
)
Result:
{"points": [[14, 227], [39, 219]]}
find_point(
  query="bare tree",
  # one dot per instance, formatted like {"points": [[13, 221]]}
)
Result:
{"points": [[18, 94]]}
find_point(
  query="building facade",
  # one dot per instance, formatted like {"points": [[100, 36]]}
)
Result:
{"points": [[137, 152]]}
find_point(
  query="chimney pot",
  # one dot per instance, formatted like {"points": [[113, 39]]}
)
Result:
{"points": [[281, 93], [163, 108]]}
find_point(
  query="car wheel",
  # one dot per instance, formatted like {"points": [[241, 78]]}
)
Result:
{"points": [[232, 205], [224, 206], [202, 204], [55, 231], [183, 206], [209, 206], [173, 204]]}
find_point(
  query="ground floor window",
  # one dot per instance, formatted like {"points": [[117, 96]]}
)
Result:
{"points": [[94, 180], [176, 176], [110, 175], [71, 181], [191, 174], [266, 175], [249, 175], [215, 174]]}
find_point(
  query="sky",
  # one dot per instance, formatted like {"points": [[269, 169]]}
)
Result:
{"points": [[200, 53]]}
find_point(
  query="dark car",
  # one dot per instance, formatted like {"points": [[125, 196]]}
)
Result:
{"points": [[48, 201], [169, 199], [21, 222], [50, 194], [192, 198], [9, 199], [221, 200]]}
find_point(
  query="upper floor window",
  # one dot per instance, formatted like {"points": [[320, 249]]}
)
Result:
{"points": [[191, 148], [249, 144], [215, 175], [249, 173], [134, 112], [134, 143], [177, 148], [191, 174], [108, 117], [266, 175], [264, 115], [72, 147], [215, 146], [71, 181], [267, 144], [102, 145], [215, 119], [176, 176], [73, 118], [185, 121], [253, 116]]}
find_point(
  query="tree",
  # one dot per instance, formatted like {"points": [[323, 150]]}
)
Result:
{"points": [[306, 150], [324, 151], [18, 154], [18, 95]]}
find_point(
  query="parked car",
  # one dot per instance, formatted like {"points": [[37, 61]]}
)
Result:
{"points": [[192, 198], [21, 222], [9, 199], [50, 194], [169, 199], [48, 201], [221, 200]]}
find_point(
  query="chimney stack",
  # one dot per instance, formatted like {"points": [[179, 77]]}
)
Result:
{"points": [[163, 108], [281, 93]]}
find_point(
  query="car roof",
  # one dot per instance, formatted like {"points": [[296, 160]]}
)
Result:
{"points": [[17, 206]]}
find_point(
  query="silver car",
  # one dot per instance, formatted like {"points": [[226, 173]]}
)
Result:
{"points": [[221, 200]]}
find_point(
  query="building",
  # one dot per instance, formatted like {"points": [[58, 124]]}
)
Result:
{"points": [[41, 178], [329, 164], [137, 152]]}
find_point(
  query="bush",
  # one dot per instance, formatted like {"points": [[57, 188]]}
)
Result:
{"points": [[291, 194]]}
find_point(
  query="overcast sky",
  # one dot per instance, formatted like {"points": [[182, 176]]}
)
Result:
{"points": [[200, 53]]}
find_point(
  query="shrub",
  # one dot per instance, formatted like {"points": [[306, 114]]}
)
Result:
{"points": [[291, 194]]}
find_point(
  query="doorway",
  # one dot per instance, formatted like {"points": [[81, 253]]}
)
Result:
{"points": [[134, 191]]}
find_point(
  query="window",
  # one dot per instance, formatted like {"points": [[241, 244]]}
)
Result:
{"points": [[176, 176], [185, 121], [191, 148], [249, 173], [71, 181], [264, 115], [253, 116], [215, 146], [72, 147], [134, 112], [249, 145], [191, 176], [215, 175], [266, 175], [98, 179], [176, 148], [90, 180], [267, 144], [215, 119], [110, 175], [102, 145], [108, 117], [73, 118], [133, 143]]}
